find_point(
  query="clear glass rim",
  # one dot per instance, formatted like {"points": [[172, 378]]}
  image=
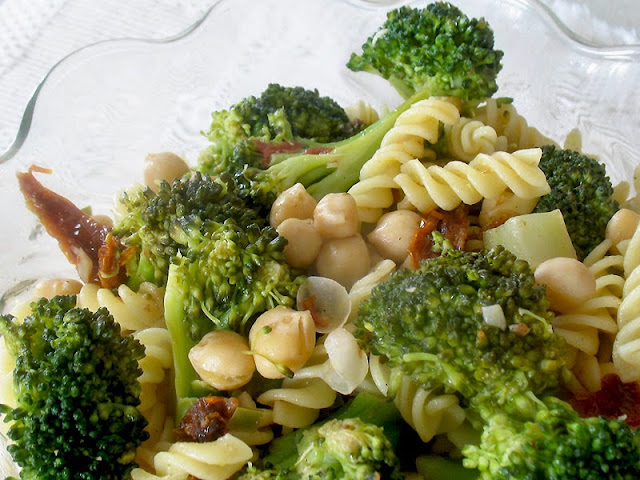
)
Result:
{"points": [[582, 45]]}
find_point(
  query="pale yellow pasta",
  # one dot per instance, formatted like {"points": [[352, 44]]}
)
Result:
{"points": [[363, 112], [626, 347], [155, 383], [507, 122], [428, 413], [583, 326], [404, 142], [361, 290], [487, 176], [298, 401], [132, 310], [467, 138], [216, 460]]}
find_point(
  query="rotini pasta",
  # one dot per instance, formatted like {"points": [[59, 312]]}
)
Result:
{"points": [[467, 138], [584, 326], [297, 402], [626, 347], [361, 290], [428, 413], [486, 176], [132, 310], [216, 460], [507, 122], [404, 142]]}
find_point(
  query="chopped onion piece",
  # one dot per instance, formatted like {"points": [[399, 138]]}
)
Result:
{"points": [[346, 366], [494, 316], [327, 300]]}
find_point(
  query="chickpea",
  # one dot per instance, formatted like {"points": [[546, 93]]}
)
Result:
{"points": [[294, 202], [336, 216], [50, 287], [222, 360], [282, 339], [163, 166], [304, 241], [344, 260], [568, 282], [622, 225], [393, 234]]}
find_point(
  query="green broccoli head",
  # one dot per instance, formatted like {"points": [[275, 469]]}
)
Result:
{"points": [[280, 115], [582, 191], [348, 448], [429, 322], [547, 439], [153, 222], [437, 48], [76, 384]]}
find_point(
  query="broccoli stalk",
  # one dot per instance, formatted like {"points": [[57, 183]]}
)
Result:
{"points": [[77, 389], [329, 168], [280, 115], [187, 383], [546, 438]]}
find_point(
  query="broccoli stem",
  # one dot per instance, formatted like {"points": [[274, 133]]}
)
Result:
{"points": [[433, 467], [339, 169], [188, 386]]}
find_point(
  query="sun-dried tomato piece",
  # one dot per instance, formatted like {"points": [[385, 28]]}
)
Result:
{"points": [[616, 398], [207, 419]]}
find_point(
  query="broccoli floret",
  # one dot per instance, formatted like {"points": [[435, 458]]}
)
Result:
{"points": [[284, 453], [547, 439], [436, 48], [347, 449], [429, 322], [221, 262], [582, 191], [338, 448], [459, 53], [280, 115], [228, 258], [77, 389], [323, 169]]}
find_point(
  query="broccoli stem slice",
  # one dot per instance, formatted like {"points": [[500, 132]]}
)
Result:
{"points": [[338, 169], [188, 385], [370, 408], [433, 467]]}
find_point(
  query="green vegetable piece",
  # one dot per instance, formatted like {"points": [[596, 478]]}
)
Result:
{"points": [[433, 467], [546, 438], [582, 191], [429, 323], [77, 389], [437, 49], [534, 237]]}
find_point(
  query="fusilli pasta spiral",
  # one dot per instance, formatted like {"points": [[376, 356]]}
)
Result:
{"points": [[626, 347], [404, 142], [584, 326], [467, 138], [429, 413], [297, 402], [132, 310], [507, 122], [486, 176], [216, 460]]}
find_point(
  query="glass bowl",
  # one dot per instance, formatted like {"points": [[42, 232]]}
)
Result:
{"points": [[101, 110]]}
